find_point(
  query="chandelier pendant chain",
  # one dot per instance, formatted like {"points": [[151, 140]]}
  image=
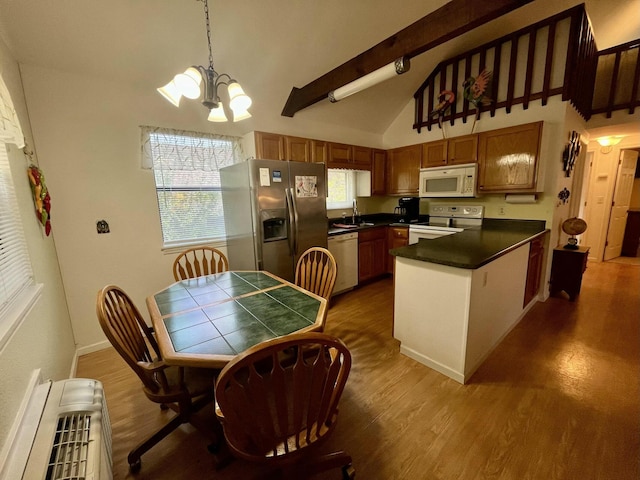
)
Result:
{"points": [[197, 78], [206, 14]]}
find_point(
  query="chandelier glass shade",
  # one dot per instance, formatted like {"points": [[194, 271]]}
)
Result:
{"points": [[189, 84]]}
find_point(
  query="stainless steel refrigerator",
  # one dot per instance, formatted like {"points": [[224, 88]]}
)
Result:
{"points": [[273, 212]]}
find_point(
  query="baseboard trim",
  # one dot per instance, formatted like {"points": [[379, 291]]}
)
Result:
{"points": [[437, 366], [92, 348]]}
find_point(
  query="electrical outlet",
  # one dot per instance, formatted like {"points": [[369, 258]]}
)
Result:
{"points": [[501, 211]]}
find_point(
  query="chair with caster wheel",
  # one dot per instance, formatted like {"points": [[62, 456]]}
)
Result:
{"points": [[278, 401], [183, 390]]}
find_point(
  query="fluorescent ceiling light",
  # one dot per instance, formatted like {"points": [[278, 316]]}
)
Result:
{"points": [[397, 67]]}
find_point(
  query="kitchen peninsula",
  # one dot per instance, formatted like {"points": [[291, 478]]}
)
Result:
{"points": [[457, 297]]}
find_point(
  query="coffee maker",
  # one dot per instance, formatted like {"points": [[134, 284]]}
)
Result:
{"points": [[408, 209]]}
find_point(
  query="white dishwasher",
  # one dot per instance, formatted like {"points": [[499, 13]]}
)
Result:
{"points": [[344, 249]]}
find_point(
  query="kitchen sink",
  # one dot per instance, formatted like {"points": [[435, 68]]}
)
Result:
{"points": [[353, 225]]}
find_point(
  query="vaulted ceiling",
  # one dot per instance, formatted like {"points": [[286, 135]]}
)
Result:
{"points": [[270, 46]]}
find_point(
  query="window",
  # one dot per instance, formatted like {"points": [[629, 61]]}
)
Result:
{"points": [[15, 267], [186, 168], [341, 188]]}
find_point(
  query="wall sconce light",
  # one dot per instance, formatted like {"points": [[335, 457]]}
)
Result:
{"points": [[607, 143], [187, 85], [397, 67]]}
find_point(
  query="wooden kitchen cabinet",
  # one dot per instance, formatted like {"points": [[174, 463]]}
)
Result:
{"points": [[269, 146], [319, 151], [567, 267], [434, 154], [372, 253], [340, 155], [462, 149], [453, 151], [297, 149], [378, 172], [508, 159], [361, 157], [534, 270], [396, 237], [403, 170]]}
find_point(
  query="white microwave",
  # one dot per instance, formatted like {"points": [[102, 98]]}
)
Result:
{"points": [[453, 181]]}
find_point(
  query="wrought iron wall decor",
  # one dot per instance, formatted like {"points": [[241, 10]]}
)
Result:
{"points": [[571, 152], [564, 196]]}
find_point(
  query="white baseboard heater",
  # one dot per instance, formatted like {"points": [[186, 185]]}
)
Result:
{"points": [[72, 439]]}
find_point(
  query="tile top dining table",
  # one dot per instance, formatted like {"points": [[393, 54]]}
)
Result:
{"points": [[207, 321]]}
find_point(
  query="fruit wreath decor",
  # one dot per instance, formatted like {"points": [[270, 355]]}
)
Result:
{"points": [[40, 197]]}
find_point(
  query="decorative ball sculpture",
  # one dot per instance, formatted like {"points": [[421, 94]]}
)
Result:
{"points": [[573, 226]]}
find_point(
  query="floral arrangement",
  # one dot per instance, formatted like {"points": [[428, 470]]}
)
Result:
{"points": [[41, 197]]}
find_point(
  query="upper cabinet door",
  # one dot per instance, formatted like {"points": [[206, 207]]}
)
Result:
{"points": [[403, 170], [434, 154], [269, 146], [339, 155], [361, 157], [508, 159], [297, 149], [462, 150], [453, 151], [378, 172], [319, 151]]}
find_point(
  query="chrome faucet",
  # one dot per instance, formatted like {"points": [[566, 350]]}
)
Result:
{"points": [[355, 213]]}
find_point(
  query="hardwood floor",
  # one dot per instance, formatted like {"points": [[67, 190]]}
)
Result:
{"points": [[557, 399]]}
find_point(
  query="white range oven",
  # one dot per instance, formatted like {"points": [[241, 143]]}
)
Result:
{"points": [[446, 220]]}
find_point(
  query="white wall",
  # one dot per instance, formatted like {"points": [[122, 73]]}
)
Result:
{"points": [[44, 340]]}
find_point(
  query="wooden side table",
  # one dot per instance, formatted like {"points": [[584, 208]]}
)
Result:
{"points": [[567, 268]]}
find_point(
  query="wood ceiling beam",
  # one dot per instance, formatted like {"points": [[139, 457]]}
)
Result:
{"points": [[447, 22]]}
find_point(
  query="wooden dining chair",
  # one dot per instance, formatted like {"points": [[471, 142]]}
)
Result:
{"points": [[316, 272], [183, 390], [199, 261], [278, 401]]}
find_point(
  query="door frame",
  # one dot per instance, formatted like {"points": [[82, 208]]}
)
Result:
{"points": [[596, 253]]}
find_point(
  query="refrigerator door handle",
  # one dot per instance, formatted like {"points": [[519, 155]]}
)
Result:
{"points": [[295, 223], [290, 214]]}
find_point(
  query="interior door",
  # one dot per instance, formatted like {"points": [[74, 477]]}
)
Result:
{"points": [[621, 198]]}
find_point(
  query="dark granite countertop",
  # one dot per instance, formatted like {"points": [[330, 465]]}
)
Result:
{"points": [[475, 246]]}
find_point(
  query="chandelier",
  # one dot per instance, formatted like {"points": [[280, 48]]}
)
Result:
{"points": [[187, 85]]}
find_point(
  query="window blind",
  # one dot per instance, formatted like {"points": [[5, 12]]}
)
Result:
{"points": [[15, 267], [186, 168]]}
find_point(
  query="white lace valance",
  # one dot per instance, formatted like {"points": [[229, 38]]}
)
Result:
{"points": [[183, 150], [10, 130]]}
